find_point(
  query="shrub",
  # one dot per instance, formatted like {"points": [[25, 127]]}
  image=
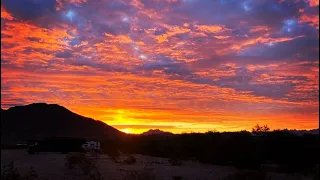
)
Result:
{"points": [[175, 162], [95, 174], [130, 160], [12, 173], [87, 165], [31, 174], [138, 175], [73, 159]]}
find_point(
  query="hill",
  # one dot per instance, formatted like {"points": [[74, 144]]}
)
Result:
{"points": [[40, 120]]}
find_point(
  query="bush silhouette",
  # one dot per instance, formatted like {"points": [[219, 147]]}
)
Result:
{"points": [[10, 172], [130, 160]]}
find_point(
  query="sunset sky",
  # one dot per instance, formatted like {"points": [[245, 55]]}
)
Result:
{"points": [[174, 65]]}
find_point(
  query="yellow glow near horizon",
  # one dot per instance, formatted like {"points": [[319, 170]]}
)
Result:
{"points": [[132, 131]]}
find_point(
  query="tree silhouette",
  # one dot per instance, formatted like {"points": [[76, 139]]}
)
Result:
{"points": [[260, 130]]}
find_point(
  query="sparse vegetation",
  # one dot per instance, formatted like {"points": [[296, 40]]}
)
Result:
{"points": [[244, 150], [138, 175], [10, 172], [130, 160], [73, 159], [31, 174], [95, 174], [175, 161], [87, 165]]}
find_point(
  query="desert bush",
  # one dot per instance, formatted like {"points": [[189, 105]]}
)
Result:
{"points": [[73, 159], [95, 174], [11, 173], [31, 174], [175, 162], [177, 177], [130, 160], [87, 165], [138, 175], [248, 175]]}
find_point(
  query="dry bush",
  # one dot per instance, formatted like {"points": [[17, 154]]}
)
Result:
{"points": [[138, 175], [11, 173], [130, 160], [87, 165], [248, 175], [73, 159], [95, 175], [31, 174], [175, 162]]}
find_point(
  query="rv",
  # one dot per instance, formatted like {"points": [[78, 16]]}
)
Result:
{"points": [[91, 146]]}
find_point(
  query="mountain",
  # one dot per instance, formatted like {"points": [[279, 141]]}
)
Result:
{"points": [[155, 132], [40, 120]]}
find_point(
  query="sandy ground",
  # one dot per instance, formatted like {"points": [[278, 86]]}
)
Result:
{"points": [[51, 166]]}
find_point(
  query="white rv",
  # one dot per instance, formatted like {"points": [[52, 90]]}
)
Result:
{"points": [[91, 146]]}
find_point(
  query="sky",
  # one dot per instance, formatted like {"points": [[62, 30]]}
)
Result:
{"points": [[175, 65]]}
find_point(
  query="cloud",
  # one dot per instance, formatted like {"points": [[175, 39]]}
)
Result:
{"points": [[64, 54], [29, 10], [225, 64]]}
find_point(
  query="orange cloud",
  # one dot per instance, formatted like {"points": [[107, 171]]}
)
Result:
{"points": [[5, 14], [262, 40], [27, 36], [259, 29], [210, 29], [313, 20], [172, 30], [312, 3]]}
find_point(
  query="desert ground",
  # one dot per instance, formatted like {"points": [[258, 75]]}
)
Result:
{"points": [[51, 166]]}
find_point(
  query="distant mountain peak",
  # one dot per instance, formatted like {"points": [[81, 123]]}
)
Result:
{"points": [[155, 131]]}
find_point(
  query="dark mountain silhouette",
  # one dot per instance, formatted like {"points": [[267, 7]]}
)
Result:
{"points": [[155, 132], [40, 120]]}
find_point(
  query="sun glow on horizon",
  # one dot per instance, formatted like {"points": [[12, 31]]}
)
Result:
{"points": [[132, 131]]}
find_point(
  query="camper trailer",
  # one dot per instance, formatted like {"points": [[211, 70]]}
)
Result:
{"points": [[91, 146]]}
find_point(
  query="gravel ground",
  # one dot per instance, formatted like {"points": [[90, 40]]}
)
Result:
{"points": [[50, 166]]}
